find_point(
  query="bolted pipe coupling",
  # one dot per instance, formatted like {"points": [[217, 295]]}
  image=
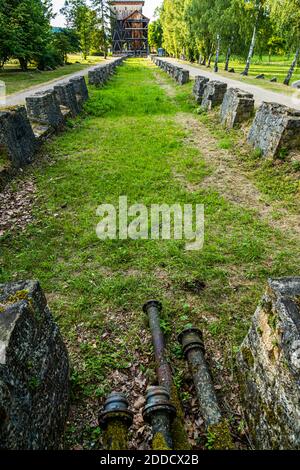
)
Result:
{"points": [[191, 339], [158, 400], [152, 303], [159, 412], [116, 408]]}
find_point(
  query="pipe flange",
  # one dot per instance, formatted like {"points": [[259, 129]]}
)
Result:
{"points": [[125, 417], [191, 338], [158, 400], [165, 408], [152, 303], [116, 407]]}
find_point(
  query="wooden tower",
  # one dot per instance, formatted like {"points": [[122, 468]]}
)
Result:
{"points": [[129, 28]]}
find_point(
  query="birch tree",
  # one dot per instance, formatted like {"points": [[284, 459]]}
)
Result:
{"points": [[286, 14]]}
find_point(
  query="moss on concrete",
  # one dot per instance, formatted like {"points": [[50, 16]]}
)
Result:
{"points": [[159, 442], [248, 357], [219, 436], [14, 298], [179, 434], [116, 435]]}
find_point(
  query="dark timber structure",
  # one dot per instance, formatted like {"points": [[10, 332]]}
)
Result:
{"points": [[129, 28]]}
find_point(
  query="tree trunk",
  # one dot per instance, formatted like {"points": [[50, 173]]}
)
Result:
{"points": [[253, 41], [292, 68], [23, 64], [103, 31], [227, 59], [216, 67], [210, 56], [251, 51]]}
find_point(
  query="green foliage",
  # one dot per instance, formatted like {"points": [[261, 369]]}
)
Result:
{"points": [[83, 20], [24, 30], [65, 42], [155, 34], [91, 21], [196, 28]]}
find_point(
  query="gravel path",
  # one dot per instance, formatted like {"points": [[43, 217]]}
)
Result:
{"points": [[19, 98], [260, 94]]}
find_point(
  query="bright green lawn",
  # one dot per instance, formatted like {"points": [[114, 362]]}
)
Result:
{"points": [[129, 143], [16, 80], [277, 67]]}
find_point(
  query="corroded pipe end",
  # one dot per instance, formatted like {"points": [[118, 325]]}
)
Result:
{"points": [[158, 400], [116, 407], [152, 303], [191, 338]]}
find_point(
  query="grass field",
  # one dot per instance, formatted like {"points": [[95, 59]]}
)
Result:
{"points": [[141, 137], [277, 67], [16, 80]]}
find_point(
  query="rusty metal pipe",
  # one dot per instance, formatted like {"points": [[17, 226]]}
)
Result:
{"points": [[115, 420], [159, 412], [164, 374], [192, 343]]}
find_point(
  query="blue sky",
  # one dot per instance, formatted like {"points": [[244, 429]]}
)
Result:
{"points": [[149, 8]]}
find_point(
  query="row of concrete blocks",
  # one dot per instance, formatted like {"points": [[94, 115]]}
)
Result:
{"points": [[99, 75], [178, 73], [21, 128], [275, 127]]}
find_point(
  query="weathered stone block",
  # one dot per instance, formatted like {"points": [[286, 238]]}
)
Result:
{"points": [[80, 87], [44, 108], [178, 73], [275, 127], [237, 107], [214, 93], [199, 86], [269, 368], [17, 139], [34, 370], [93, 77], [66, 96], [183, 77]]}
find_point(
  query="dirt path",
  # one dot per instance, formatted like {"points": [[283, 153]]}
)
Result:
{"points": [[260, 94], [230, 182]]}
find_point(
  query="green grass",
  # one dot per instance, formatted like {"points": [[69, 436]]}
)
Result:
{"points": [[278, 67], [16, 80], [129, 143], [277, 180]]}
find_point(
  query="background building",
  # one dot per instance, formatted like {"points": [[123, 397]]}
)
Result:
{"points": [[129, 28]]}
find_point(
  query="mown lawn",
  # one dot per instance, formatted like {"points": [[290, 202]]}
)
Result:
{"points": [[16, 80], [276, 67], [131, 143]]}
